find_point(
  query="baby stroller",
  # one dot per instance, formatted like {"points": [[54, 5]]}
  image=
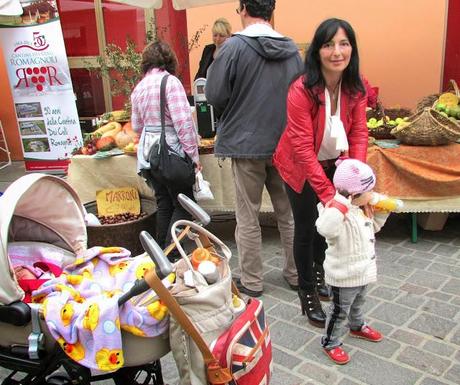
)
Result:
{"points": [[42, 214]]}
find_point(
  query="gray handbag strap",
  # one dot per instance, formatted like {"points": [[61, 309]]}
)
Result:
{"points": [[162, 110]]}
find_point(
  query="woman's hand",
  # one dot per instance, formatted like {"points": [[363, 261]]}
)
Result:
{"points": [[198, 167]]}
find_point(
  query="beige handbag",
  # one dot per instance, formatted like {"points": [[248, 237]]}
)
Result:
{"points": [[208, 306]]}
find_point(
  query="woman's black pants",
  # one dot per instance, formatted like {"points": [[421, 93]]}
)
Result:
{"points": [[309, 246], [169, 209]]}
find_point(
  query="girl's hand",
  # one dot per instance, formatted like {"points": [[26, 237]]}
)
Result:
{"points": [[361, 199], [198, 166], [368, 210]]}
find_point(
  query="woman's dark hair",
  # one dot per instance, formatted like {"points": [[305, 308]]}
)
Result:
{"points": [[259, 8], [159, 55], [351, 78]]}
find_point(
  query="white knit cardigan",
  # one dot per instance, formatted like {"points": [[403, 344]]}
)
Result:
{"points": [[350, 257]]}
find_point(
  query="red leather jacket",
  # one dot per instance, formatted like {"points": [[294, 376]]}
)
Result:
{"points": [[296, 154]]}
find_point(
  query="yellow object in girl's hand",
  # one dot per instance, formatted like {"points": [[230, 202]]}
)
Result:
{"points": [[383, 203]]}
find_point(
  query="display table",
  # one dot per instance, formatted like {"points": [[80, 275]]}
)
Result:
{"points": [[426, 178], [88, 175]]}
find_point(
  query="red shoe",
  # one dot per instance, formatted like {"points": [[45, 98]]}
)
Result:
{"points": [[367, 333], [338, 355]]}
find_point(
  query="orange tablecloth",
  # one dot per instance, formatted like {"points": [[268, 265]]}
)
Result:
{"points": [[416, 172]]}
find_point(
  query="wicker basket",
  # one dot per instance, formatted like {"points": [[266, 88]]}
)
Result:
{"points": [[384, 131], [430, 100], [123, 234], [428, 128]]}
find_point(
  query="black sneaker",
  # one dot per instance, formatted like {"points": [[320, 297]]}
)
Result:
{"points": [[244, 290]]}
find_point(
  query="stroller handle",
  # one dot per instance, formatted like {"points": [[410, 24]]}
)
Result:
{"points": [[201, 216], [162, 267]]}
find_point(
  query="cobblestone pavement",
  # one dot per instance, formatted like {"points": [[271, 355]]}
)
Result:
{"points": [[416, 304]]}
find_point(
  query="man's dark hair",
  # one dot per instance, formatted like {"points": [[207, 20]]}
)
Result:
{"points": [[159, 55], [262, 9], [351, 78]]}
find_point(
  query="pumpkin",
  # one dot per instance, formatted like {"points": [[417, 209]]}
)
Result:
{"points": [[122, 139], [106, 143]]}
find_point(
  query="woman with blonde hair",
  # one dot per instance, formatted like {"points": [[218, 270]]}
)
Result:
{"points": [[221, 31]]}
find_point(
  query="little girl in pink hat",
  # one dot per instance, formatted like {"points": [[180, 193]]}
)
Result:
{"points": [[350, 263]]}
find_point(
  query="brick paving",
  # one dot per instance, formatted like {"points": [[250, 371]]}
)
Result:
{"points": [[415, 303]]}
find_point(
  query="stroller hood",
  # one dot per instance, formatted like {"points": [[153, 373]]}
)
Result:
{"points": [[44, 202]]}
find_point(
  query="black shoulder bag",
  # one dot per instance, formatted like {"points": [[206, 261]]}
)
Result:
{"points": [[166, 165]]}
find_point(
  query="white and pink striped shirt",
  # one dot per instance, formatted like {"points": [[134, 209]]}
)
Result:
{"points": [[145, 102]]}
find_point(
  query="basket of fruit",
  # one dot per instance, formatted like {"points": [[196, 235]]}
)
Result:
{"points": [[430, 100], [434, 125], [123, 229], [381, 121], [109, 136], [429, 127]]}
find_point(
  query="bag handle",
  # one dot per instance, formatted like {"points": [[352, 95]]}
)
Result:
{"points": [[216, 374], [200, 282], [209, 246], [164, 80], [182, 222], [454, 85], [204, 237]]}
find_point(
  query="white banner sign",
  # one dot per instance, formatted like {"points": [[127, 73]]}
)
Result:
{"points": [[39, 76]]}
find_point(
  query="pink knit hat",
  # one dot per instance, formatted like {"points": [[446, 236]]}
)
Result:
{"points": [[353, 176]]}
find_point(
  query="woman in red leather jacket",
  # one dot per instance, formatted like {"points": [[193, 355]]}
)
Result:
{"points": [[326, 119]]}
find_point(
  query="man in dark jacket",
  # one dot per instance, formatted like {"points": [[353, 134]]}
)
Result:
{"points": [[247, 84]]}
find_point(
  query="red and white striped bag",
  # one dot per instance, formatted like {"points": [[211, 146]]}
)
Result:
{"points": [[245, 348]]}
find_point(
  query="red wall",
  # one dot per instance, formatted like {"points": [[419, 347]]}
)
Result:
{"points": [[172, 27], [452, 53], [8, 115]]}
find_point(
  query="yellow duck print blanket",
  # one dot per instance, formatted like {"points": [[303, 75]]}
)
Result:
{"points": [[81, 306]]}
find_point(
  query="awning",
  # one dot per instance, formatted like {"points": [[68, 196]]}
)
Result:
{"points": [[10, 8], [177, 4], [184, 4], [157, 4]]}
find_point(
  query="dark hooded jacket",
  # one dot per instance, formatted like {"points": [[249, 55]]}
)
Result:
{"points": [[247, 85]]}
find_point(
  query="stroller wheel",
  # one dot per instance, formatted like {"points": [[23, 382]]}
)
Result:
{"points": [[149, 374], [59, 379]]}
